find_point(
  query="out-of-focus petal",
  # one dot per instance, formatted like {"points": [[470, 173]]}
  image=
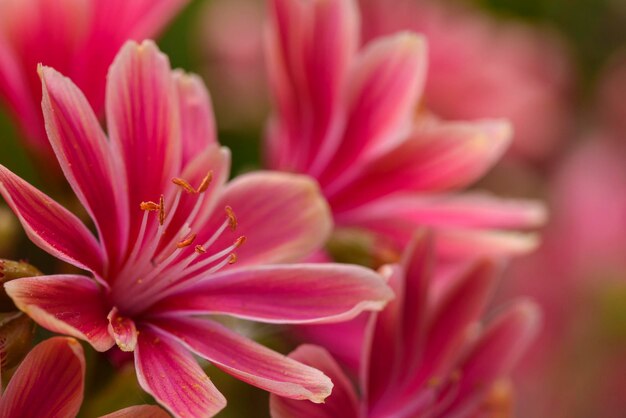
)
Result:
{"points": [[143, 123], [494, 355], [196, 115], [386, 82], [48, 383], [138, 411], [84, 153], [66, 304], [167, 371], [283, 217], [297, 293], [435, 157], [247, 360], [49, 225], [310, 48], [341, 403]]}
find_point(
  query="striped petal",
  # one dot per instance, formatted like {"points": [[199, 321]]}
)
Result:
{"points": [[48, 383], [167, 371], [72, 305]]}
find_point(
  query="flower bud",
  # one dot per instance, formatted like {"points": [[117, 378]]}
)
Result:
{"points": [[16, 338], [10, 270], [9, 230]]}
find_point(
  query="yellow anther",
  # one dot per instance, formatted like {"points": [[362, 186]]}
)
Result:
{"points": [[161, 210], [149, 206], [204, 185], [240, 241], [232, 219], [200, 249], [232, 258], [187, 241], [182, 183]]}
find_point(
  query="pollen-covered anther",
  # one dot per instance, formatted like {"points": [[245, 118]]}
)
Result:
{"points": [[232, 258], [149, 206], [186, 186], [187, 241], [240, 241], [199, 249], [161, 210], [206, 182], [232, 219]]}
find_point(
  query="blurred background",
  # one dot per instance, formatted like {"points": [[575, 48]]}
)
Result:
{"points": [[557, 68]]}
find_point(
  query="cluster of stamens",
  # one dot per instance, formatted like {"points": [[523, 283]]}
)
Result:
{"points": [[165, 267]]}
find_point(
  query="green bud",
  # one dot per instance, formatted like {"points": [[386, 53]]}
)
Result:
{"points": [[17, 331], [10, 270]]}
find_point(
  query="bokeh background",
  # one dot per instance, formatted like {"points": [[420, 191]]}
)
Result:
{"points": [[578, 275]]}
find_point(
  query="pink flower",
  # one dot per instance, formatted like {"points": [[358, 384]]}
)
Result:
{"points": [[426, 354], [347, 117], [166, 248], [50, 382], [480, 68], [77, 37]]}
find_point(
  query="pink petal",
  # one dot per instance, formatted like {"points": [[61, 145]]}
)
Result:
{"points": [[310, 48], [297, 293], [283, 217], [495, 354], [48, 383], [49, 225], [143, 123], [138, 411], [450, 319], [436, 157], [469, 210], [67, 304], [123, 330], [196, 115], [83, 151], [247, 360], [461, 243], [386, 84], [341, 403], [167, 371]]}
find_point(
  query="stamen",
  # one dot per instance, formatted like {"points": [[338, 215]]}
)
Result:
{"points": [[182, 183], [200, 249], [240, 241], [161, 210], [204, 185], [149, 206], [232, 258], [232, 219], [187, 241]]}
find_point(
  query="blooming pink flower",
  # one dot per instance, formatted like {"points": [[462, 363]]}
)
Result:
{"points": [[426, 354], [165, 248], [480, 68], [78, 38], [347, 118]]}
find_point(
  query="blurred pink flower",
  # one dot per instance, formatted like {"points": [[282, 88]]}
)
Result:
{"points": [[482, 68], [50, 382], [426, 354], [78, 38], [348, 118], [157, 192]]}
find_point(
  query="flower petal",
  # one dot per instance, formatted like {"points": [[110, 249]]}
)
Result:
{"points": [[167, 371], [310, 48], [435, 157], [143, 122], [386, 84], [49, 225], [123, 330], [138, 411], [297, 293], [48, 383], [342, 402], [248, 360], [196, 115], [495, 354], [67, 304], [283, 216], [84, 154]]}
